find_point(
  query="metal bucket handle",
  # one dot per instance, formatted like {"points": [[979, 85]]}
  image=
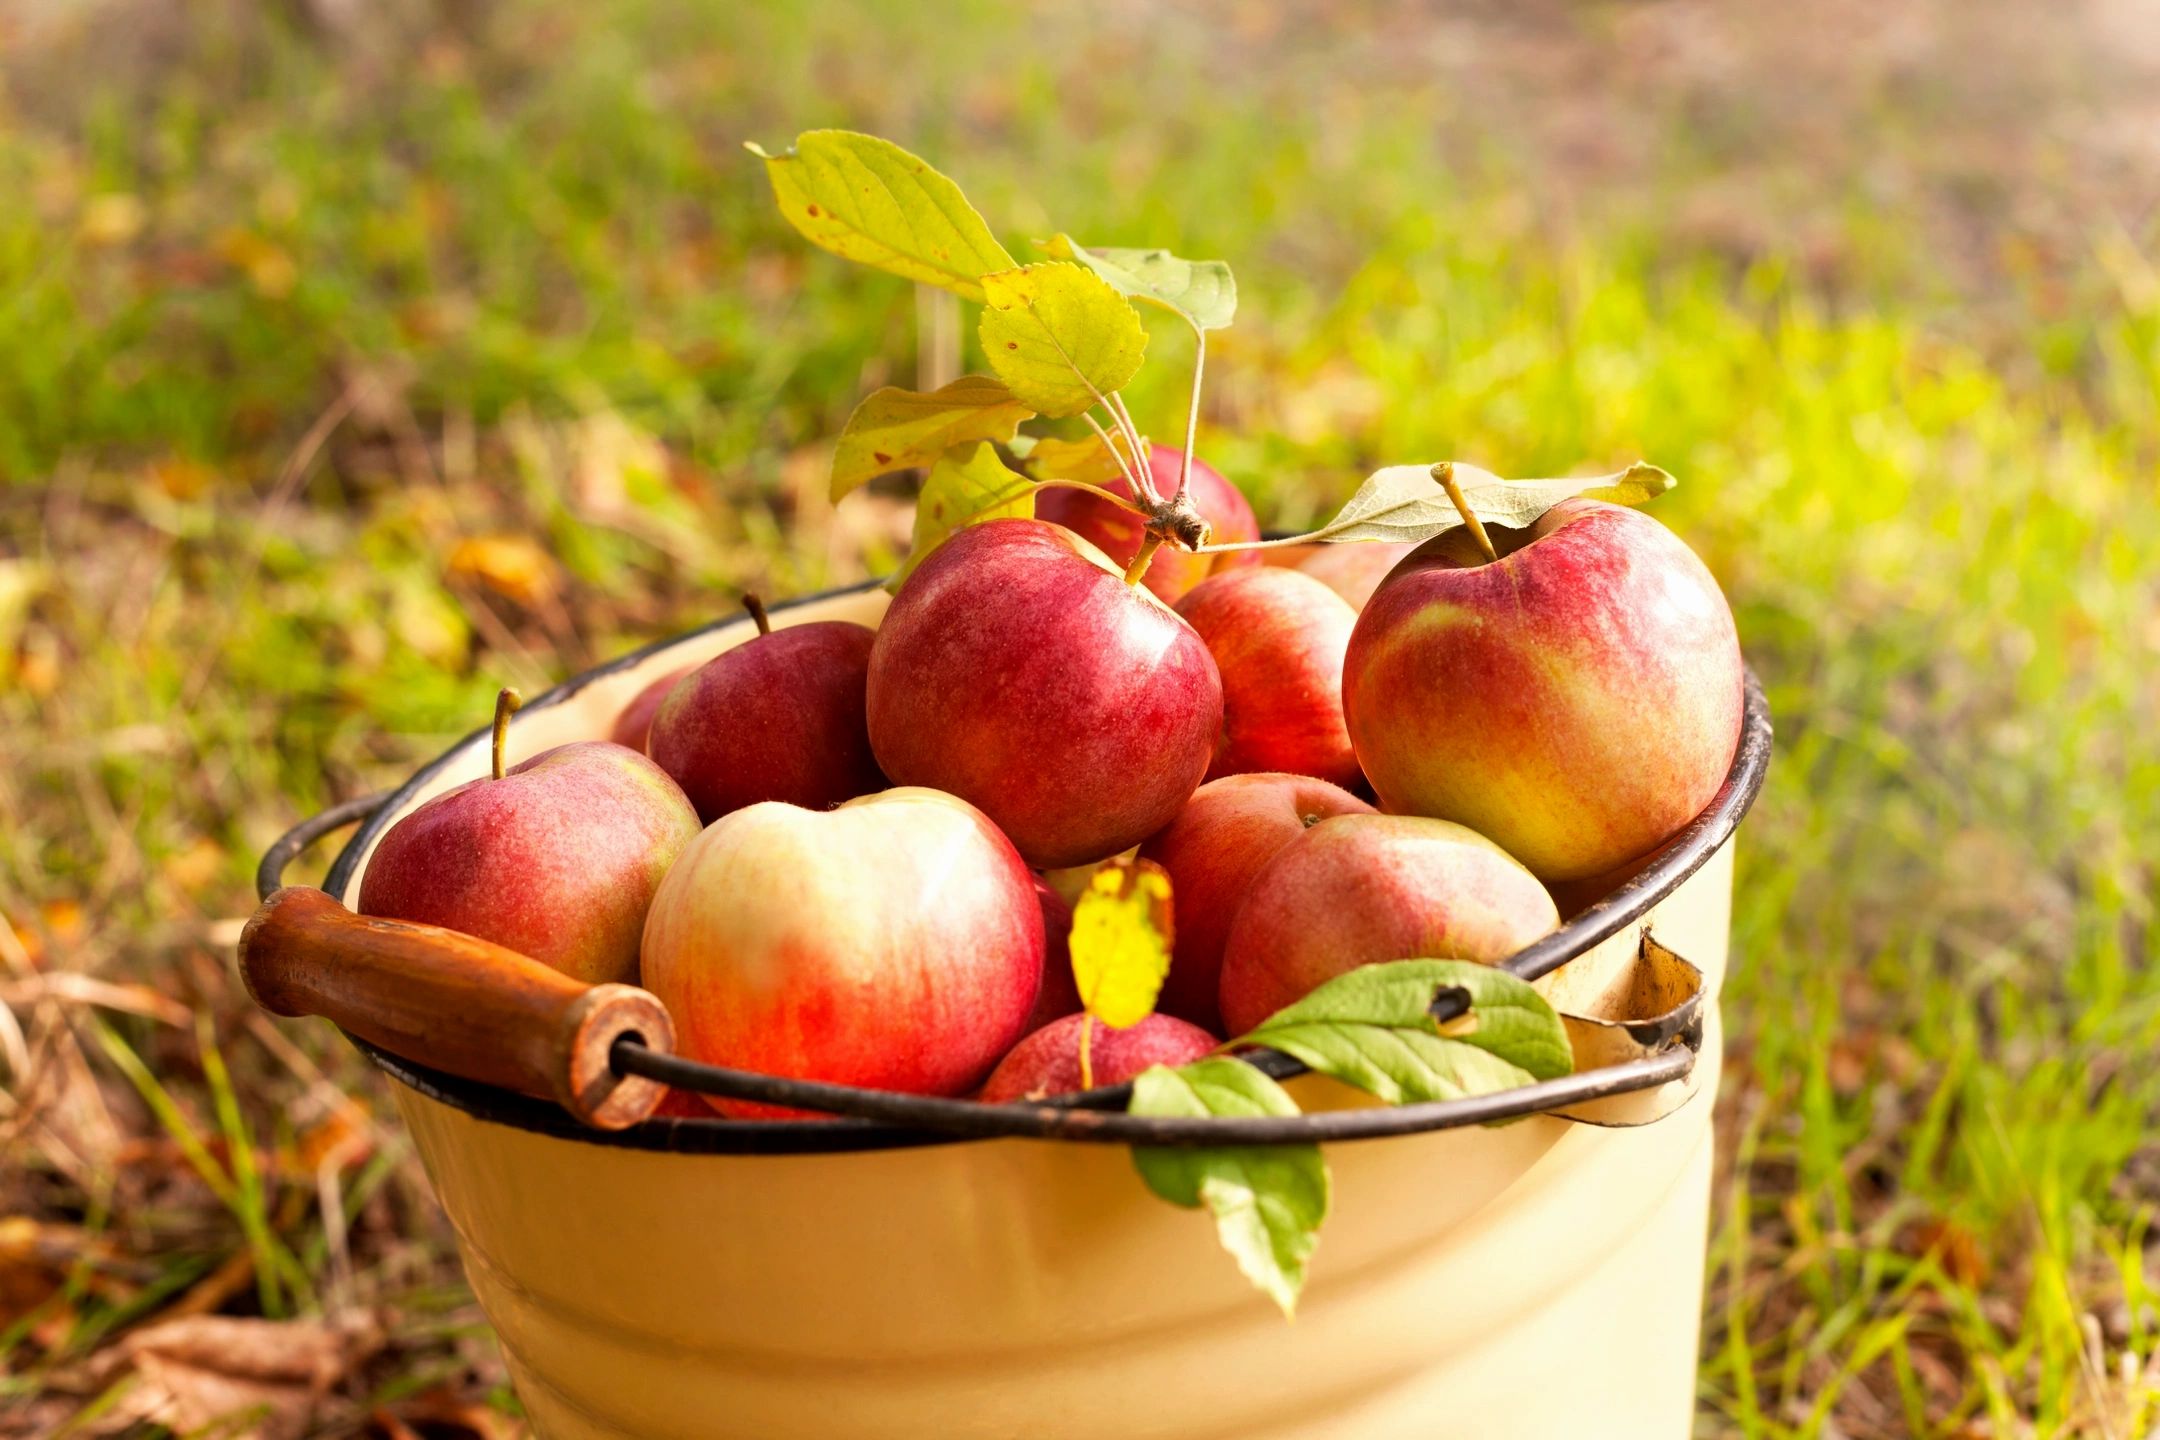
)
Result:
{"points": [[873, 1119]]}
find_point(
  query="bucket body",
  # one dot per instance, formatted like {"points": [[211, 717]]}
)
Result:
{"points": [[1540, 1279]]}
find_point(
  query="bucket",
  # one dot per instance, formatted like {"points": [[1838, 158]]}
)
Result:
{"points": [[710, 1279]]}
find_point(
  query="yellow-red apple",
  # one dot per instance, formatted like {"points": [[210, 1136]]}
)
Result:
{"points": [[1278, 638], [895, 943], [558, 858], [1228, 830], [1578, 700], [1018, 670], [1363, 888]]}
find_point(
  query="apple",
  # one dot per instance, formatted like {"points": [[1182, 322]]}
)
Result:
{"points": [[1354, 569], [1278, 638], [557, 858], [895, 942], [1060, 991], [1018, 670], [634, 725], [1225, 834], [1048, 1061], [1362, 888], [1578, 700], [1118, 533], [779, 717]]}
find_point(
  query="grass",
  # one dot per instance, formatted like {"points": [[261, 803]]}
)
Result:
{"points": [[355, 368]]}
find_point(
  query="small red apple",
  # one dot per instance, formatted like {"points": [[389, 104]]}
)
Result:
{"points": [[1354, 570], [1048, 1061], [895, 943], [1578, 700], [779, 717], [634, 725], [1278, 638], [1018, 670], [1362, 888], [1118, 533], [1225, 834], [557, 858]]}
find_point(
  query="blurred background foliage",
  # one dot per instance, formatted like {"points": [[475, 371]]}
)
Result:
{"points": [[356, 359]]}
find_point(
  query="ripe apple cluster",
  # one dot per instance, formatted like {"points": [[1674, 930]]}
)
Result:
{"points": [[837, 853]]}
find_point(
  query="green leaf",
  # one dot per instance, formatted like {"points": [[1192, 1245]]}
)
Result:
{"points": [[966, 485], [869, 200], [1203, 291], [1405, 502], [1086, 459], [895, 429], [1268, 1200], [1373, 1028], [1121, 941], [1059, 336]]}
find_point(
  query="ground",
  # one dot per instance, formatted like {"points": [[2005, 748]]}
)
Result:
{"points": [[361, 359]]}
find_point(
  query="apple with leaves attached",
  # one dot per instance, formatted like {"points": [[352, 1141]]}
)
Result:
{"points": [[778, 717], [1018, 670], [1119, 532], [1048, 1061], [1576, 697], [557, 858], [1278, 638], [1218, 843], [1357, 889], [895, 942]]}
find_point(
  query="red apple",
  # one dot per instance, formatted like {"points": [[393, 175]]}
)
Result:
{"points": [[1225, 834], [1118, 533], [779, 717], [894, 943], [634, 725], [1017, 670], [1048, 1061], [1362, 888], [1354, 570], [1577, 700], [1060, 991], [557, 859], [1278, 638]]}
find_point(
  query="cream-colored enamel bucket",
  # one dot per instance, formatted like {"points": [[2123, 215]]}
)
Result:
{"points": [[703, 1280]]}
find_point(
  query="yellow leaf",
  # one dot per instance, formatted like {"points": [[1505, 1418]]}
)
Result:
{"points": [[1121, 937], [897, 429], [965, 486], [511, 565], [869, 200], [1059, 336]]}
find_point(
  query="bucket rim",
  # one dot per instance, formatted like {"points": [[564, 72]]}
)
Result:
{"points": [[1671, 865]]}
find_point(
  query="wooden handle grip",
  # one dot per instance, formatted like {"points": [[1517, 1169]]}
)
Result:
{"points": [[455, 1003]]}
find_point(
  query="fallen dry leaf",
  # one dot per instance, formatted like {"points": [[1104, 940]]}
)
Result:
{"points": [[206, 1370], [513, 566]]}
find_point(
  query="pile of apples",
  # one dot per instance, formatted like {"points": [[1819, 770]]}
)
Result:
{"points": [[841, 854]]}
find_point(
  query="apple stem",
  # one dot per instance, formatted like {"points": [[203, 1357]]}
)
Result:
{"points": [[507, 702], [756, 607], [1444, 472], [1087, 1066], [1140, 562]]}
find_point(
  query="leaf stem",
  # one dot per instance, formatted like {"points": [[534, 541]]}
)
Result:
{"points": [[1192, 416], [1097, 491], [1444, 472], [1116, 405], [1130, 470], [507, 702]]}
